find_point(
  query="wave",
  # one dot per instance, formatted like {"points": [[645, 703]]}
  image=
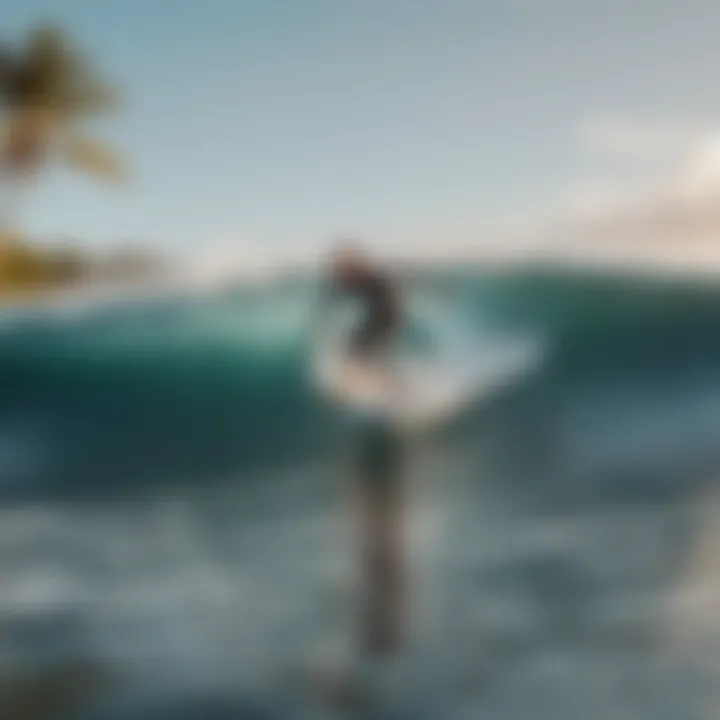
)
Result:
{"points": [[183, 387]]}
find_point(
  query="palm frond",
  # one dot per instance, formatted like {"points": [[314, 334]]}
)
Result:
{"points": [[43, 68], [46, 90], [7, 66], [93, 157], [25, 139], [50, 73], [90, 97]]}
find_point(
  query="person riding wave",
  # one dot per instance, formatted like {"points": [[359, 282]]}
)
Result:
{"points": [[378, 454]]}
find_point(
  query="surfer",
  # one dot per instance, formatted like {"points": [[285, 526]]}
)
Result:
{"points": [[377, 461]]}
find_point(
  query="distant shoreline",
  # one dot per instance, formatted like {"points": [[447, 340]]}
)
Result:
{"points": [[688, 269]]}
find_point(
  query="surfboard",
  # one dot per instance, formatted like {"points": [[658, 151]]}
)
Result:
{"points": [[416, 390]]}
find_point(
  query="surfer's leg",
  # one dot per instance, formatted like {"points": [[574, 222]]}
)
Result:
{"points": [[381, 543], [384, 578]]}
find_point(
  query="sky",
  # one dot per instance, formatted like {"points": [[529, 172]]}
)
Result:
{"points": [[279, 124]]}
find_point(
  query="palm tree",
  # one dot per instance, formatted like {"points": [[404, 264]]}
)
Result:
{"points": [[46, 91]]}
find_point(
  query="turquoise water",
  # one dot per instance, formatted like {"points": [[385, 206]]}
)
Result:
{"points": [[170, 483]]}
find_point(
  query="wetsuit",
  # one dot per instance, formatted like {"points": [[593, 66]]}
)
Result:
{"points": [[381, 313]]}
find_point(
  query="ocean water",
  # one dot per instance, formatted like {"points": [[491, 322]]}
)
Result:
{"points": [[172, 494]]}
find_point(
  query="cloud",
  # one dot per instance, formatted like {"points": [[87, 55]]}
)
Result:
{"points": [[676, 213], [630, 165], [626, 138]]}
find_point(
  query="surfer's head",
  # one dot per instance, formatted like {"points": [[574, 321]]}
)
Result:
{"points": [[348, 261]]}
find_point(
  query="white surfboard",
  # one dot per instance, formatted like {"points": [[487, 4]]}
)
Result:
{"points": [[414, 391]]}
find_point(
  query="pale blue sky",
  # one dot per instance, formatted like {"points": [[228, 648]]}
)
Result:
{"points": [[286, 121]]}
